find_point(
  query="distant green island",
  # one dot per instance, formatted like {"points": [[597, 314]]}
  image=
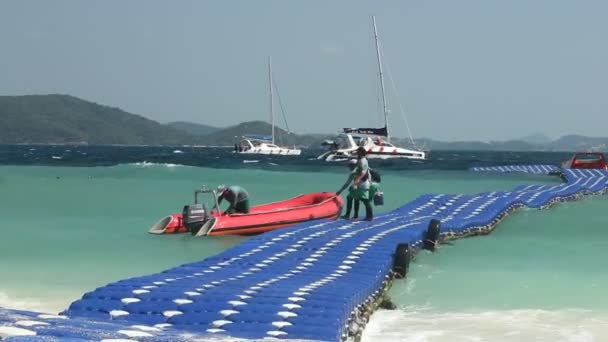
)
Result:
{"points": [[65, 119]]}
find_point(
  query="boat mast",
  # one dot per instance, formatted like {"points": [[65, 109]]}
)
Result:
{"points": [[384, 109], [270, 89]]}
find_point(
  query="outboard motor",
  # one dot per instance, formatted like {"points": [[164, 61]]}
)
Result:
{"points": [[194, 216]]}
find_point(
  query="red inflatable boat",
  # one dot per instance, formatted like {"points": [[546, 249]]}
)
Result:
{"points": [[586, 160], [196, 218]]}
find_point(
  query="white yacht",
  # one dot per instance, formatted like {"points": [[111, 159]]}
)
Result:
{"points": [[345, 146], [265, 144], [376, 141]]}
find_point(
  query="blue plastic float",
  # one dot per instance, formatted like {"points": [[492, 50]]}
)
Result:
{"points": [[535, 169], [315, 281]]}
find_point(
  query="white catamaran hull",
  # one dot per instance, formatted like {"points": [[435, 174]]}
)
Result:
{"points": [[279, 151], [374, 153], [345, 147]]}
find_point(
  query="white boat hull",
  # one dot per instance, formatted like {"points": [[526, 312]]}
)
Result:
{"points": [[382, 150], [279, 151], [254, 146], [350, 154]]}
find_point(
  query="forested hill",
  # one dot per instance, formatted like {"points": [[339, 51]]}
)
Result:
{"points": [[193, 128], [229, 135], [66, 119]]}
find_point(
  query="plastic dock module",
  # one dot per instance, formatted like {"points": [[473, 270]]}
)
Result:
{"points": [[313, 281], [16, 325], [534, 169]]}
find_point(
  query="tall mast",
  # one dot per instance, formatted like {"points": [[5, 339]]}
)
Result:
{"points": [[270, 90], [384, 109]]}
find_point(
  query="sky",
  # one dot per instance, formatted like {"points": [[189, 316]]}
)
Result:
{"points": [[463, 70]]}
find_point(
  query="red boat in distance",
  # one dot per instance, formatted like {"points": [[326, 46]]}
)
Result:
{"points": [[197, 220], [586, 160]]}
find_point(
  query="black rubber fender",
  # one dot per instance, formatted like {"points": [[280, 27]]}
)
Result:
{"points": [[431, 237], [401, 261]]}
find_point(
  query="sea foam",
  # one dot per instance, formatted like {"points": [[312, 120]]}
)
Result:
{"points": [[145, 164], [569, 325], [10, 302]]}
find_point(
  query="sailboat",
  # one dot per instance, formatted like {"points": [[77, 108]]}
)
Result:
{"points": [[376, 141], [265, 144]]}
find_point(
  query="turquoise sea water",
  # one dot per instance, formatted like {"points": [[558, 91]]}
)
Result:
{"points": [[539, 277]]}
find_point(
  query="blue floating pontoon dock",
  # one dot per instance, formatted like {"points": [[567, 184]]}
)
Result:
{"points": [[534, 169], [317, 281]]}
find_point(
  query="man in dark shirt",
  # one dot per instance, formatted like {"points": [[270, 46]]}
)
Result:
{"points": [[236, 196]]}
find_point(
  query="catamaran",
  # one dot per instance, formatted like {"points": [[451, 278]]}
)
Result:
{"points": [[265, 144], [376, 141]]}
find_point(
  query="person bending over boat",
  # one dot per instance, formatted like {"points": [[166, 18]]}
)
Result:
{"points": [[236, 196], [360, 179]]}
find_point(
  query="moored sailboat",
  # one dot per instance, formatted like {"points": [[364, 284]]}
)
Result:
{"points": [[376, 141], [265, 144]]}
